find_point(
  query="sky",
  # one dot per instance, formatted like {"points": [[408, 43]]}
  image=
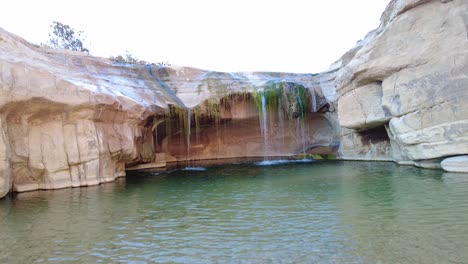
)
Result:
{"points": [[303, 36]]}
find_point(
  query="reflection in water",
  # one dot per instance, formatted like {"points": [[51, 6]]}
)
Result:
{"points": [[335, 212]]}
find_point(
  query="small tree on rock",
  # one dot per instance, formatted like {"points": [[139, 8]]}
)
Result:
{"points": [[131, 59], [65, 37]]}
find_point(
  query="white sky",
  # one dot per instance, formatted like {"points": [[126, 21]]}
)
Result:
{"points": [[225, 35]]}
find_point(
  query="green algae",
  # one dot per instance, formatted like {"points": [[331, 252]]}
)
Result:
{"points": [[177, 121], [324, 157], [290, 98]]}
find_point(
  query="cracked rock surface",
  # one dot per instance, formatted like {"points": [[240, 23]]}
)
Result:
{"points": [[68, 119], [410, 76]]}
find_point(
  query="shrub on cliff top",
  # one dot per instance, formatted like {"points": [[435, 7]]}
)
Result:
{"points": [[131, 59], [65, 37], [127, 58]]}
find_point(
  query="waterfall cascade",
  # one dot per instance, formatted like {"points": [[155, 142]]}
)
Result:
{"points": [[301, 122], [188, 132], [282, 113], [264, 127]]}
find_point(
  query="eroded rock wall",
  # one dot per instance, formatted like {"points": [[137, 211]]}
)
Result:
{"points": [[69, 120], [409, 76], [54, 147], [244, 138]]}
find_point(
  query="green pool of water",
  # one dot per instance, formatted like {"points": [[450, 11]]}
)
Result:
{"points": [[320, 212]]}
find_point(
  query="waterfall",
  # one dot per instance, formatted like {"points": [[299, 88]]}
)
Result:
{"points": [[302, 123], [314, 101], [301, 106], [264, 127], [281, 125], [188, 132]]}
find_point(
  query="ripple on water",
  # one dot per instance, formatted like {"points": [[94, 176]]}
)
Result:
{"points": [[281, 162], [194, 169]]}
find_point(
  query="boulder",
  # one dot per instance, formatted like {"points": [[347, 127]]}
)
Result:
{"points": [[455, 164]]}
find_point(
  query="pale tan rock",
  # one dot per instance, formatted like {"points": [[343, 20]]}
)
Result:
{"points": [[75, 175], [4, 161], [439, 131], [420, 55], [429, 164], [91, 169], [362, 109], [52, 145], [456, 164], [56, 180], [88, 145], [71, 144], [35, 149], [77, 120]]}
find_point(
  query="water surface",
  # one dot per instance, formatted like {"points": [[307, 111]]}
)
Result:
{"points": [[320, 212]]}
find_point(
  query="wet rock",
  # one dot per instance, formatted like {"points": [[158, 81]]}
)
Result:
{"points": [[428, 164]]}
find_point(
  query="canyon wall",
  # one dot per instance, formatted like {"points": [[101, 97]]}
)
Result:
{"points": [[403, 89], [69, 119]]}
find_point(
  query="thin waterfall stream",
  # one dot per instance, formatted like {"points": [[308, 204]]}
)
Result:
{"points": [[302, 124], [264, 128], [187, 136]]}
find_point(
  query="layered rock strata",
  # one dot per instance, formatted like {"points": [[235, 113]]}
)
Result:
{"points": [[408, 80], [68, 119], [71, 120]]}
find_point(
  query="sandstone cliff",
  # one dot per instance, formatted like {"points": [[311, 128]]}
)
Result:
{"points": [[403, 89], [68, 119]]}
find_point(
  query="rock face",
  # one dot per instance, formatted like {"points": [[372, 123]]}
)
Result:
{"points": [[456, 164], [71, 120], [409, 77], [244, 138]]}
